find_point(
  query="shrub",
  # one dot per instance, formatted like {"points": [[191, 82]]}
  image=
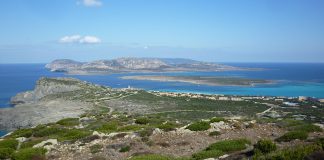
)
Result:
{"points": [[68, 122], [95, 148], [130, 128], [216, 119], [125, 149], [295, 153], [47, 131], [214, 133], [22, 133], [30, 144], [73, 135], [229, 145], [265, 146], [142, 120], [207, 154], [6, 153], [169, 126], [150, 157], [108, 127], [307, 128], [199, 126], [29, 154], [9, 143], [146, 132], [289, 136]]}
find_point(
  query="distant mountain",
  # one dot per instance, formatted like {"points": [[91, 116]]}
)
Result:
{"points": [[124, 65]]}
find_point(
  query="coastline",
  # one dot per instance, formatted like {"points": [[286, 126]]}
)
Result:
{"points": [[210, 81]]}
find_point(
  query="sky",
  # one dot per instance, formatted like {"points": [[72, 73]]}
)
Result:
{"points": [[39, 31]]}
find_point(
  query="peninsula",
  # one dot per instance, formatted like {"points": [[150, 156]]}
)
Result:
{"points": [[212, 81]]}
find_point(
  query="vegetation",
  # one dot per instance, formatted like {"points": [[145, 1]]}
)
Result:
{"points": [[292, 135], [6, 153], [95, 148], [142, 120], [199, 126], [207, 154], [9, 143], [169, 126], [30, 144], [125, 149], [229, 145], [68, 122], [222, 147], [216, 119], [294, 153], [29, 154], [108, 127], [265, 146], [22, 133], [214, 133], [73, 135]]}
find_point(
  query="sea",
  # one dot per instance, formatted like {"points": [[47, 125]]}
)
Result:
{"points": [[291, 80]]}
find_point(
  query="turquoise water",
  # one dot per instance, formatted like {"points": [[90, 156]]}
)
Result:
{"points": [[300, 79], [293, 79]]}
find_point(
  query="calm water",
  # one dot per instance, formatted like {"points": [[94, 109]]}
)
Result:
{"points": [[293, 80]]}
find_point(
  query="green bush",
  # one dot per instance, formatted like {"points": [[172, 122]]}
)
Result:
{"points": [[125, 149], [108, 127], [130, 128], [142, 120], [150, 157], [95, 148], [207, 154], [68, 122], [47, 131], [6, 153], [214, 133], [73, 135], [30, 144], [292, 135], [307, 128], [265, 146], [295, 153], [29, 154], [169, 126], [9, 143], [216, 119], [146, 132], [229, 145], [22, 133], [199, 126]]}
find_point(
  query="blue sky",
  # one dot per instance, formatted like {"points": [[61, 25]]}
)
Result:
{"points": [[38, 31]]}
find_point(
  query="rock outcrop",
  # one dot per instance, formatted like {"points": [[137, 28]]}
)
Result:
{"points": [[44, 87]]}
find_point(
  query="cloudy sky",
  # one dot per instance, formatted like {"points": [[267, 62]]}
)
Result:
{"points": [[38, 31]]}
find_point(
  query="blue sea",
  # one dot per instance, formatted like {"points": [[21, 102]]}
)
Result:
{"points": [[293, 79]]}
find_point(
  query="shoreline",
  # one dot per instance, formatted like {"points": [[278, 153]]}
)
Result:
{"points": [[210, 81]]}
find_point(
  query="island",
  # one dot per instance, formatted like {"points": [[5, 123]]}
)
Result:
{"points": [[200, 80], [127, 65]]}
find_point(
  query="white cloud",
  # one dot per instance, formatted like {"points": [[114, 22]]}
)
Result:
{"points": [[80, 39], [90, 39], [91, 3]]}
